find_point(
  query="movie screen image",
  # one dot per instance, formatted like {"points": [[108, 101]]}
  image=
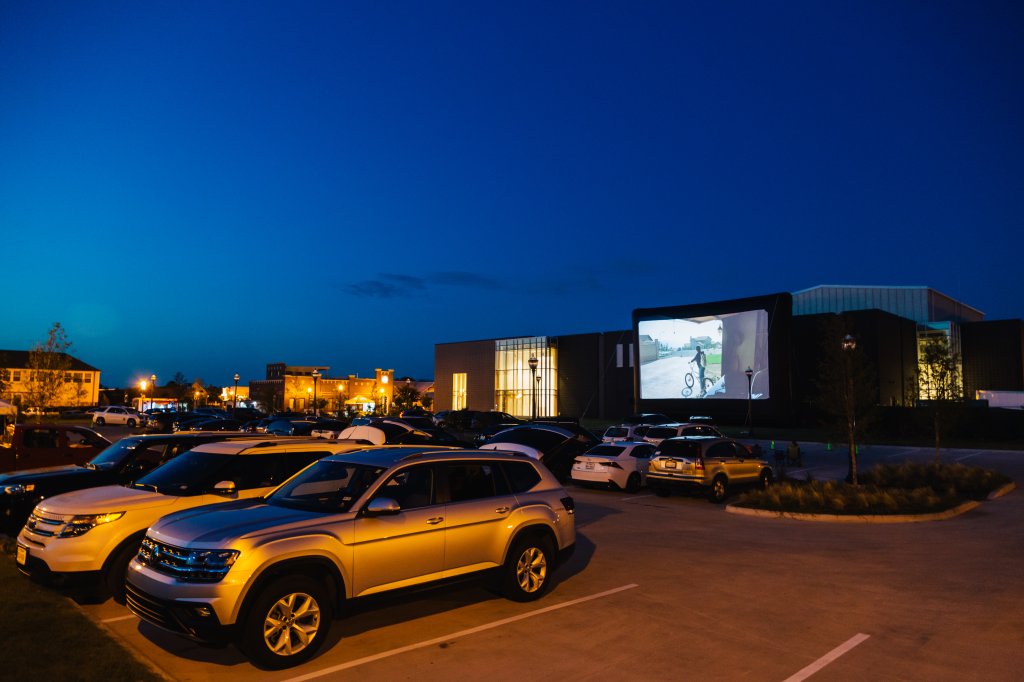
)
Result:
{"points": [[704, 357]]}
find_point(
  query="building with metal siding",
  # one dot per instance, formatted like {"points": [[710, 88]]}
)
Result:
{"points": [[993, 356], [920, 304]]}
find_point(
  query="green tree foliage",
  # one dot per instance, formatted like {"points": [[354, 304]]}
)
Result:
{"points": [[406, 396], [265, 394], [941, 383], [846, 390], [49, 365]]}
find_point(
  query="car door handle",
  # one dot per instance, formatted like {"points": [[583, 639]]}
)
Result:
{"points": [[435, 520], [501, 510]]}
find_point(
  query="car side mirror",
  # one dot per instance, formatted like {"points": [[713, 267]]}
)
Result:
{"points": [[382, 506], [226, 488]]}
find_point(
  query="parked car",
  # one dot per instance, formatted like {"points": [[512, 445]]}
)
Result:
{"points": [[622, 465], [625, 432], [163, 422], [118, 414], [117, 463], [287, 559], [328, 428], [215, 425], [291, 427], [31, 445], [656, 434], [476, 426], [712, 465], [393, 431], [85, 539], [651, 418], [554, 445]]}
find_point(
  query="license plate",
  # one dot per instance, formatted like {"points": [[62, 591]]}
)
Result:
{"points": [[671, 464], [590, 465], [22, 555]]}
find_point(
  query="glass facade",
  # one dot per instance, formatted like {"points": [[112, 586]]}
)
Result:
{"points": [[517, 389], [459, 391], [931, 386]]}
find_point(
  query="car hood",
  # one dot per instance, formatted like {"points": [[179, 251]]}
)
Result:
{"points": [[44, 473], [221, 524], [104, 499]]}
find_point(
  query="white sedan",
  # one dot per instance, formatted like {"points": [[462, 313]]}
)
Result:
{"points": [[622, 465], [115, 414]]}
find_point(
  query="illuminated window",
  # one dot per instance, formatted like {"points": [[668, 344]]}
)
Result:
{"points": [[519, 390], [459, 391]]}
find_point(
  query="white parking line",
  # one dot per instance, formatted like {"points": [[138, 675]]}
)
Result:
{"points": [[460, 633], [637, 497], [973, 454], [827, 658], [114, 620], [903, 453]]}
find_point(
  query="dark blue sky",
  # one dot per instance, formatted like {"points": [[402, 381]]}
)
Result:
{"points": [[208, 187]]}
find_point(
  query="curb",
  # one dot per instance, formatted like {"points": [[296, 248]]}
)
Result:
{"points": [[850, 518], [1005, 490]]}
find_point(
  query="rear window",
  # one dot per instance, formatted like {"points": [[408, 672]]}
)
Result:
{"points": [[616, 432], [522, 476], [661, 432], [679, 448], [605, 451]]}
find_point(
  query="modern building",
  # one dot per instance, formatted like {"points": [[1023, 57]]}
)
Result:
{"points": [[598, 375], [19, 381]]}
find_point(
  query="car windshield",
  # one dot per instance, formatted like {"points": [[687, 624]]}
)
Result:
{"points": [[605, 451], [327, 487], [616, 432], [192, 473], [114, 455]]}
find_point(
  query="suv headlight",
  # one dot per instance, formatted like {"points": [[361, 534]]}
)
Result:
{"points": [[187, 565], [80, 525], [210, 564]]}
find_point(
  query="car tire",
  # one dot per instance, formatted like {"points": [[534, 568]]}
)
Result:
{"points": [[528, 568], [661, 491], [719, 489], [116, 569], [766, 479], [100, 421], [131, 423], [633, 482], [293, 614]]}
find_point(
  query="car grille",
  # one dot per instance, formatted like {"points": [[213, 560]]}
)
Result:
{"points": [[45, 524], [164, 558]]}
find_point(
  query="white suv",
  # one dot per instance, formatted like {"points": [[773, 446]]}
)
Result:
{"points": [[85, 539], [271, 573], [115, 414]]}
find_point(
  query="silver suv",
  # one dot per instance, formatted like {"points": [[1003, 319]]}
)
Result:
{"points": [[271, 573], [713, 465]]}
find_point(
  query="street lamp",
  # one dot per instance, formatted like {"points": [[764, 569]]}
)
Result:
{"points": [[234, 398], [750, 404], [850, 345], [533, 368], [152, 392], [316, 376], [142, 392]]}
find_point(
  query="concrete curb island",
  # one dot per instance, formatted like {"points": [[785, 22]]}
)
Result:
{"points": [[870, 518]]}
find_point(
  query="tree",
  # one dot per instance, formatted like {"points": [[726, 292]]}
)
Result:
{"points": [[199, 393], [265, 394], [405, 397], [846, 389], [940, 381], [180, 388], [49, 365]]}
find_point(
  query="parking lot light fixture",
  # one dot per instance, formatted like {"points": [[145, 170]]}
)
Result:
{"points": [[316, 376], [533, 368], [850, 345], [750, 404], [152, 391], [234, 398]]}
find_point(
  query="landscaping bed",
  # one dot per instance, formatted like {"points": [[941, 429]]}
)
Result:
{"points": [[886, 489]]}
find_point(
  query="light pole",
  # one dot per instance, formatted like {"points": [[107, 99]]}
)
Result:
{"points": [[750, 404], [152, 391], [316, 376], [849, 345], [142, 392], [533, 368], [234, 398]]}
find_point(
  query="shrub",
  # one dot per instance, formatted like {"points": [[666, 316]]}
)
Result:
{"points": [[969, 483], [828, 497]]}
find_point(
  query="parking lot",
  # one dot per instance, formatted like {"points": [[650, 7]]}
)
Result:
{"points": [[680, 588]]}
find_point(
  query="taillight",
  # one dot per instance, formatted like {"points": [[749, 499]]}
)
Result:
{"points": [[613, 465], [568, 504], [699, 463]]}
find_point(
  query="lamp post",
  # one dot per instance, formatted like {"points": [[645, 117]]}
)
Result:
{"points": [[316, 376], [142, 392], [750, 403], [234, 398], [152, 391], [533, 368], [850, 345]]}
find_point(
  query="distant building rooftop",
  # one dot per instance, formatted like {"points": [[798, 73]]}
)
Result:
{"points": [[917, 303]]}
